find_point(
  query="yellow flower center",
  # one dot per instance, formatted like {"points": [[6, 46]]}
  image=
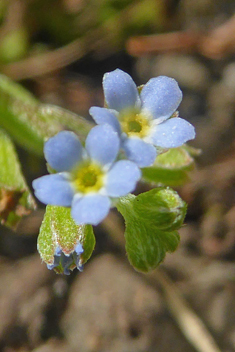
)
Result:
{"points": [[134, 124], [88, 177]]}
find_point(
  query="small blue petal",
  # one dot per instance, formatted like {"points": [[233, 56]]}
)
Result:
{"points": [[90, 209], [63, 151], [102, 116], [102, 144], [173, 133], [55, 264], [66, 261], [50, 266], [58, 251], [161, 97], [122, 178], [53, 189], [78, 248], [140, 152], [120, 90]]}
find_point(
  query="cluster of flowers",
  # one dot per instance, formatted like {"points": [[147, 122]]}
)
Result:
{"points": [[137, 121]]}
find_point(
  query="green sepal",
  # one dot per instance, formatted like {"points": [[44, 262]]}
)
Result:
{"points": [[151, 220], [30, 123], [15, 197], [59, 229], [171, 168]]}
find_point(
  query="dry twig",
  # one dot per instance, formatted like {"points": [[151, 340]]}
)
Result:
{"points": [[218, 43], [190, 324], [45, 63]]}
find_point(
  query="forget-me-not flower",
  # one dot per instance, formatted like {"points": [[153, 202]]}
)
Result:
{"points": [[143, 121], [64, 262], [87, 178]]}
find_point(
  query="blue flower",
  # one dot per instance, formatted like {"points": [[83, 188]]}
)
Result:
{"points": [[63, 263], [87, 179], [143, 121]]}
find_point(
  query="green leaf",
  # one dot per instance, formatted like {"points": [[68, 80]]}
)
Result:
{"points": [[14, 45], [59, 229], [63, 119], [15, 198], [151, 219], [15, 91], [30, 123], [170, 168]]}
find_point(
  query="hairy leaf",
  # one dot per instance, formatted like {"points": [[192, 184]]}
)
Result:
{"points": [[30, 123], [151, 219], [15, 198]]}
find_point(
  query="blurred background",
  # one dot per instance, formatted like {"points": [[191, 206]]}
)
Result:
{"points": [[59, 50]]}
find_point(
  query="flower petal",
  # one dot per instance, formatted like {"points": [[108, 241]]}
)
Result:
{"points": [[79, 248], [53, 189], [140, 152], [160, 97], [120, 90], [122, 178], [55, 264], [172, 133], [63, 151], [102, 144], [66, 262], [102, 115], [90, 209]]}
